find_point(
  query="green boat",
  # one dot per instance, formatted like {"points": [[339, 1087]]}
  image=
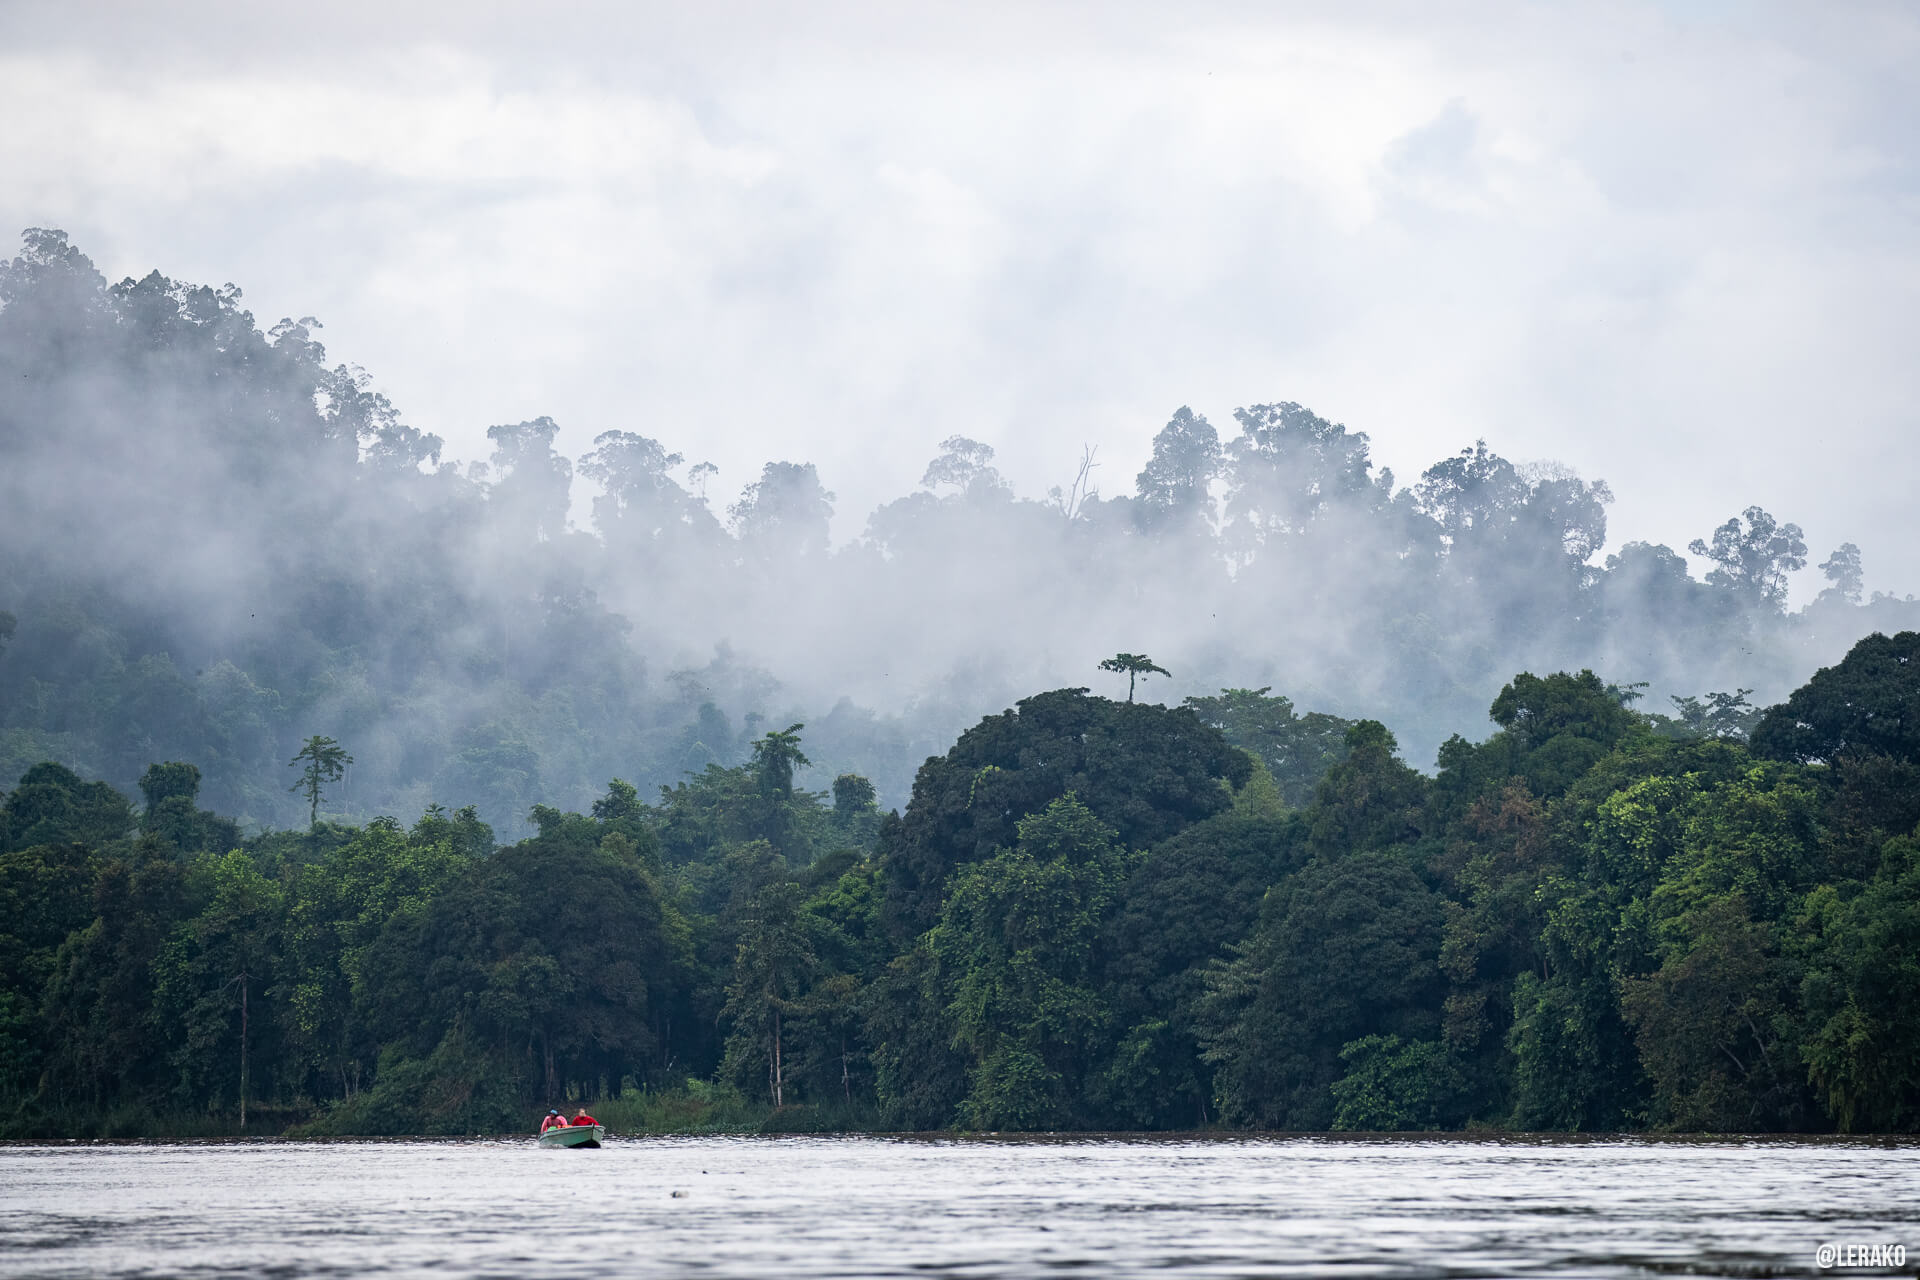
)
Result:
{"points": [[573, 1135]]}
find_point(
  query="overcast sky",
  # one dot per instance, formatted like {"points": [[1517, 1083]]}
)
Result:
{"points": [[1671, 245]]}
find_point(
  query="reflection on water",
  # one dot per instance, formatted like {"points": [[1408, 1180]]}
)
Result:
{"points": [[972, 1207]]}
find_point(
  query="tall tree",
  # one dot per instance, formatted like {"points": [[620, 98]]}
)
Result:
{"points": [[1754, 553], [326, 761], [1134, 665], [785, 513], [1173, 488], [776, 756], [532, 488], [965, 465], [772, 967], [1843, 570]]}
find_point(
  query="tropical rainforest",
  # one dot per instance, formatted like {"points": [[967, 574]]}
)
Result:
{"points": [[355, 791]]}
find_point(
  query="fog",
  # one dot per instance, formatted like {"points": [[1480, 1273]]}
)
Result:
{"points": [[731, 358], [218, 541], [1667, 244]]}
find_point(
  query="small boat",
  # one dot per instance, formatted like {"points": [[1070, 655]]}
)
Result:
{"points": [[573, 1135]]}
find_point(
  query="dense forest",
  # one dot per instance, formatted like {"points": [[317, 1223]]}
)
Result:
{"points": [[1092, 914], [676, 852]]}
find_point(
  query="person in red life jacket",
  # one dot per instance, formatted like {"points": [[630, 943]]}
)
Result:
{"points": [[581, 1117], [553, 1120]]}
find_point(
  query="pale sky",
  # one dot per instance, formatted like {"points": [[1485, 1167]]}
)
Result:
{"points": [[1671, 245]]}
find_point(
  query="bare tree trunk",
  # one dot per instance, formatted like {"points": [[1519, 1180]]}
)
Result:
{"points": [[779, 1083], [1075, 499], [243, 1053], [845, 1087]]}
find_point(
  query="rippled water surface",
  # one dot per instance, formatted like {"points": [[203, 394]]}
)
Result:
{"points": [[895, 1207]]}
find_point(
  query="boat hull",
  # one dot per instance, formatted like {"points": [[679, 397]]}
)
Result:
{"points": [[574, 1135]]}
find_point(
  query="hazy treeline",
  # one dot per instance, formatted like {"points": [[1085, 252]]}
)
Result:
{"points": [[215, 544], [1091, 914]]}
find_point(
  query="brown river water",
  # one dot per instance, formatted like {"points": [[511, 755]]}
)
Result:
{"points": [[972, 1207]]}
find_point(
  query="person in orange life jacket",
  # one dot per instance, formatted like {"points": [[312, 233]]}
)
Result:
{"points": [[553, 1120], [581, 1117]]}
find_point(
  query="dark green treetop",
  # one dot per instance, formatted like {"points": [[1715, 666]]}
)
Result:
{"points": [[1147, 771]]}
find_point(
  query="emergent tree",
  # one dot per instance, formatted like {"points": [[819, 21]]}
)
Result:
{"points": [[325, 761]]}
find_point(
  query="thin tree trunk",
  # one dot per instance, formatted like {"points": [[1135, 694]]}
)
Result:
{"points": [[243, 1053], [779, 1082]]}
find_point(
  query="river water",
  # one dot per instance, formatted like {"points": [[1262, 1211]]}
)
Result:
{"points": [[866, 1206]]}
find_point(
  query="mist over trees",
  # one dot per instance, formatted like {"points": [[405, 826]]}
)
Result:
{"points": [[216, 546]]}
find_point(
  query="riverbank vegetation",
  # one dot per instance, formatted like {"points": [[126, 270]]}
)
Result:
{"points": [[1091, 914]]}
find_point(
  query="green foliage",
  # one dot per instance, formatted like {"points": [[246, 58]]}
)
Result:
{"points": [[1144, 770], [172, 816], [1860, 992], [1371, 799], [209, 978], [1362, 934], [1718, 715], [557, 958], [1093, 914], [1297, 750], [1185, 902], [772, 968], [1015, 944], [920, 1078], [1574, 1069], [1391, 1084], [52, 805], [453, 1090], [45, 895], [693, 1106], [1867, 704], [856, 810]]}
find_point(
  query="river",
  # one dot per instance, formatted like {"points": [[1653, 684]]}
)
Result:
{"points": [[871, 1206]]}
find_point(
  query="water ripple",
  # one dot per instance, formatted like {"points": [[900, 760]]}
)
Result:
{"points": [[944, 1207]]}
